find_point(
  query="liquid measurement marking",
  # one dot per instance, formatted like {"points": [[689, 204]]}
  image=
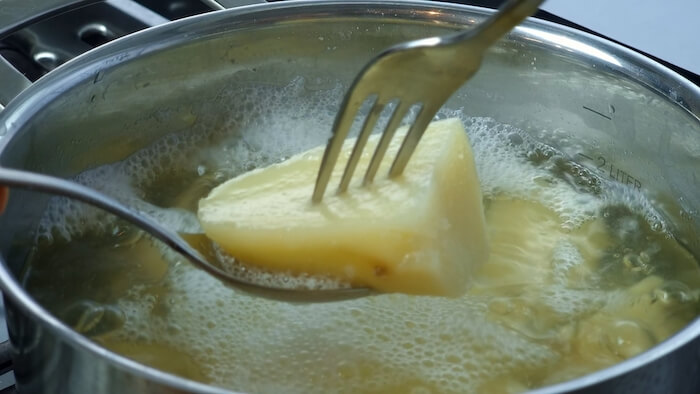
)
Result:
{"points": [[598, 113], [615, 173]]}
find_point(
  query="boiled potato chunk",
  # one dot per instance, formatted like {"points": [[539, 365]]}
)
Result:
{"points": [[420, 233]]}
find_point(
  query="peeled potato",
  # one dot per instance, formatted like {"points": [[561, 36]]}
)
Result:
{"points": [[420, 233]]}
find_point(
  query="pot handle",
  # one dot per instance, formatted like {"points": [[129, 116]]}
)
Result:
{"points": [[14, 15]]}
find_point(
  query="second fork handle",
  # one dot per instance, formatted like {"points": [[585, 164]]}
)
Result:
{"points": [[508, 16]]}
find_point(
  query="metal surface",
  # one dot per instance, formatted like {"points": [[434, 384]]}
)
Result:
{"points": [[224, 4], [47, 184], [14, 14], [177, 9], [423, 72], [627, 114], [49, 42], [12, 82]]}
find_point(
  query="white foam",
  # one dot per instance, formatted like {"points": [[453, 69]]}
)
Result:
{"points": [[501, 154], [258, 345], [565, 259]]}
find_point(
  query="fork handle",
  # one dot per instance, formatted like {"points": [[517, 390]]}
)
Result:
{"points": [[507, 17]]}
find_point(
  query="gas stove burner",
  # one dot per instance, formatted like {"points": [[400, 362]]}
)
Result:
{"points": [[45, 45]]}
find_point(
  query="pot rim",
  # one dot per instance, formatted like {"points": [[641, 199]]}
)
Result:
{"points": [[610, 56]]}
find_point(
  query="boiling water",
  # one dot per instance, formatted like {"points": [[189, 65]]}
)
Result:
{"points": [[582, 273]]}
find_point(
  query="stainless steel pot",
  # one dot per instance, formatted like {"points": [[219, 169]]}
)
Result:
{"points": [[624, 114]]}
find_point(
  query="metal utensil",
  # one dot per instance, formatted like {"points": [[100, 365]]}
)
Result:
{"points": [[49, 184], [425, 72]]}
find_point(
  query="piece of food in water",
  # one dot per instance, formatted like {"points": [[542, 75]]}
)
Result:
{"points": [[422, 232]]}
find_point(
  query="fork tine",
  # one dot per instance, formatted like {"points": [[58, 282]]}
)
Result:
{"points": [[367, 128], [424, 117], [394, 122], [341, 128]]}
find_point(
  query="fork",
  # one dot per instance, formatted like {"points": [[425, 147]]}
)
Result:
{"points": [[424, 72]]}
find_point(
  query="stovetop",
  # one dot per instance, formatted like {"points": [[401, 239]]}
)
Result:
{"points": [[42, 46]]}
